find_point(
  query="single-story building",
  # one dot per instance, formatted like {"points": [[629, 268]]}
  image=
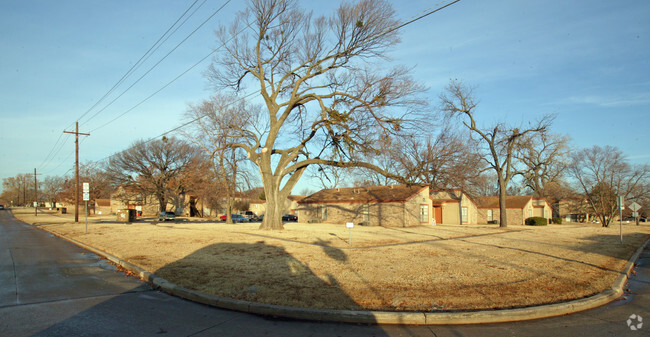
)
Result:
{"points": [[103, 206], [518, 209], [453, 206], [390, 206]]}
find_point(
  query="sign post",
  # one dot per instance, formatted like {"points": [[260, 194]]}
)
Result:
{"points": [[86, 197], [621, 206], [349, 225], [635, 208]]}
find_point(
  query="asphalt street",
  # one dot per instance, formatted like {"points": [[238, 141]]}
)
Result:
{"points": [[50, 287]]}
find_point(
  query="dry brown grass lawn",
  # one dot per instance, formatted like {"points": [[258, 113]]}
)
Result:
{"points": [[405, 269]]}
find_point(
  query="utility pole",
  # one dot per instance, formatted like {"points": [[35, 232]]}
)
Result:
{"points": [[76, 134], [35, 195]]}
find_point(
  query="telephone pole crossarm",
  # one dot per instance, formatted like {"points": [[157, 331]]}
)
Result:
{"points": [[76, 134]]}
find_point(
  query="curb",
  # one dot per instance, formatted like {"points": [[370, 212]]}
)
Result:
{"points": [[378, 317]]}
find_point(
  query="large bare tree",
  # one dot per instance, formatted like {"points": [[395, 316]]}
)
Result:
{"points": [[544, 158], [217, 127], [326, 97], [499, 142], [153, 168], [603, 174], [51, 187]]}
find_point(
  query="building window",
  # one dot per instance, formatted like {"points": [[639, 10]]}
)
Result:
{"points": [[530, 213], [424, 213], [490, 215], [464, 214], [323, 212]]}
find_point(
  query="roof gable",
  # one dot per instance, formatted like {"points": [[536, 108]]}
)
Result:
{"points": [[103, 202], [392, 193]]}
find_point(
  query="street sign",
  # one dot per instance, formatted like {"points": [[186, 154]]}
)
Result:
{"points": [[86, 196], [349, 225], [635, 207], [86, 187]]}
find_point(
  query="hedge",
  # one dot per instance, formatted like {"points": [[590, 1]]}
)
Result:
{"points": [[557, 221], [536, 221]]}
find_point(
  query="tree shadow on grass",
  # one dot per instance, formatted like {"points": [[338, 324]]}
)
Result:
{"points": [[261, 273]]}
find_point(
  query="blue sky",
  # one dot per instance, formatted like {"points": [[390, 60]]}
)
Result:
{"points": [[588, 62]]}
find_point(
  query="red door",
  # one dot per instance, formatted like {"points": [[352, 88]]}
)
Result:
{"points": [[437, 213]]}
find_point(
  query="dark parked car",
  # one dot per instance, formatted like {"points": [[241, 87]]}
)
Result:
{"points": [[2, 207], [289, 217], [164, 216]]}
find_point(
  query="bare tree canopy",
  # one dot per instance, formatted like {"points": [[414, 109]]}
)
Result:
{"points": [[442, 160], [217, 126], [326, 100], [17, 189], [603, 174], [544, 157], [51, 187], [499, 142], [154, 168]]}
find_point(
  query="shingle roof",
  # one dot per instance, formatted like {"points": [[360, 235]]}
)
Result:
{"points": [[295, 197], [392, 193], [103, 202], [511, 201]]}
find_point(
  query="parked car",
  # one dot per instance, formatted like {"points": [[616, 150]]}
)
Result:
{"points": [[249, 215], [2, 207], [164, 216], [289, 217], [235, 218]]}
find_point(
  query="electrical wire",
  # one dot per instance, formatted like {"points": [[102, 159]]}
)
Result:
{"points": [[399, 26], [160, 61], [143, 58]]}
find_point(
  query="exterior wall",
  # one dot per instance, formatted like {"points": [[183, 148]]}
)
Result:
{"points": [[388, 214], [515, 215], [450, 213], [451, 208], [412, 210], [258, 208]]}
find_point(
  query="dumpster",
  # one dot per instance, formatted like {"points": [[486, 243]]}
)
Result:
{"points": [[126, 215], [64, 210]]}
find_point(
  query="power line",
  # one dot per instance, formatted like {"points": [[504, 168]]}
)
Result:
{"points": [[399, 26], [427, 13], [139, 62], [143, 58], [160, 61]]}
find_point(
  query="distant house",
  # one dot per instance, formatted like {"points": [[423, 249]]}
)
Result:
{"points": [[389, 206], [103, 206], [291, 205], [518, 209], [258, 206], [575, 209], [130, 198], [453, 206]]}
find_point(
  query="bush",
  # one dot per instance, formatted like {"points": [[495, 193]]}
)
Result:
{"points": [[536, 221], [557, 221]]}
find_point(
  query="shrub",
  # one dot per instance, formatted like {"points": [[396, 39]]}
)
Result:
{"points": [[536, 221], [557, 221]]}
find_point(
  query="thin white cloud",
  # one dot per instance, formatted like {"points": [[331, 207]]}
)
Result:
{"points": [[609, 101]]}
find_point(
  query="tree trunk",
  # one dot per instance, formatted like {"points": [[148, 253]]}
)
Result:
{"points": [[274, 205], [230, 201], [162, 203], [503, 218]]}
